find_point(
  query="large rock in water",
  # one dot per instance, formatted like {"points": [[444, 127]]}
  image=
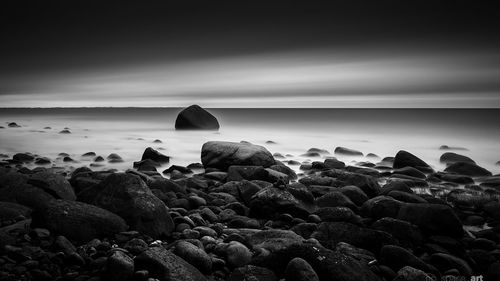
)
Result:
{"points": [[129, 197], [406, 159], [221, 155], [196, 118], [77, 220], [165, 266]]}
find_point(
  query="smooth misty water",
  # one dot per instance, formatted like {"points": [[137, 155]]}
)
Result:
{"points": [[128, 131]]}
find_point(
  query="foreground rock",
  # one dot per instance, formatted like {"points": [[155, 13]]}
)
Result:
{"points": [[78, 221], [129, 197], [326, 263], [434, 219], [221, 155], [196, 118], [165, 266]]}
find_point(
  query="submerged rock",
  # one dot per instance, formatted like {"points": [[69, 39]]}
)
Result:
{"points": [[196, 118], [221, 155], [155, 155], [406, 159], [347, 151], [451, 157], [467, 169]]}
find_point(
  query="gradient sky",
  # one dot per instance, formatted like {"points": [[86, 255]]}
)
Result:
{"points": [[349, 54]]}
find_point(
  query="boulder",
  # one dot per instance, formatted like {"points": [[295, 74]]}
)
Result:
{"points": [[407, 234], [434, 219], [221, 155], [271, 201], [128, 196], [396, 258], [11, 211], [326, 263], [119, 267], [299, 269], [252, 272], [237, 254], [451, 157], [406, 159], [335, 199], [445, 262], [409, 273], [155, 155], [77, 220], [194, 255], [14, 187], [467, 169], [381, 207], [166, 266], [331, 233], [347, 151], [196, 118], [354, 193], [54, 184]]}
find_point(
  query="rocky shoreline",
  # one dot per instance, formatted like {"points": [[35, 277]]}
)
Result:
{"points": [[242, 214]]}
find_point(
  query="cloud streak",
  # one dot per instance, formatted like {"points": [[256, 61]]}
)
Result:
{"points": [[306, 78]]}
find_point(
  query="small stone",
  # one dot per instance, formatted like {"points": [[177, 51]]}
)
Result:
{"points": [[65, 131]]}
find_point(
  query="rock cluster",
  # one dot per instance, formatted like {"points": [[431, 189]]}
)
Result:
{"points": [[243, 215]]}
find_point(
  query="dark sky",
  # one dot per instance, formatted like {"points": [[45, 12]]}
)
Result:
{"points": [[285, 54]]}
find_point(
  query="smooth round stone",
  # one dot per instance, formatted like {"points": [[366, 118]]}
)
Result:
{"points": [[300, 270], [238, 254]]}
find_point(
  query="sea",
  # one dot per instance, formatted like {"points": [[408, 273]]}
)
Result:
{"points": [[290, 132]]}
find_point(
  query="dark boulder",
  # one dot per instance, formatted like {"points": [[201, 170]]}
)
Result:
{"points": [[445, 262], [196, 118], [451, 157], [252, 272], [54, 184], [354, 193], [381, 207], [467, 169], [221, 155], [409, 273], [23, 157], [335, 199], [11, 211], [155, 155], [166, 266], [271, 201], [406, 159], [326, 263], [77, 221], [299, 269], [347, 151], [331, 233], [432, 218], [396, 258], [129, 197], [193, 255], [367, 183], [407, 234]]}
